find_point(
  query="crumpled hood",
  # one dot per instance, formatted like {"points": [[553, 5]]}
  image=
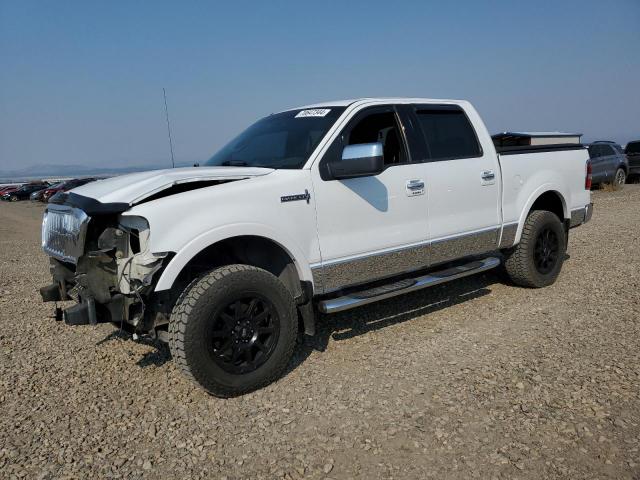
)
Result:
{"points": [[135, 187]]}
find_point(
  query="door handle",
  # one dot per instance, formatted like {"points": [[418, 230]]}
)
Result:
{"points": [[415, 187], [488, 175]]}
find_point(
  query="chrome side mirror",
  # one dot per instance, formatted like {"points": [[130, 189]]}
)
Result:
{"points": [[361, 160]]}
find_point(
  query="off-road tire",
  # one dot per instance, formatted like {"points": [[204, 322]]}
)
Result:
{"points": [[519, 262], [193, 314]]}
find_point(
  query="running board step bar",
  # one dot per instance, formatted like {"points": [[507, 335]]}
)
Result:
{"points": [[401, 287]]}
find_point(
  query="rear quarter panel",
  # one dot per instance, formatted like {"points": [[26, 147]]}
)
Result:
{"points": [[527, 176]]}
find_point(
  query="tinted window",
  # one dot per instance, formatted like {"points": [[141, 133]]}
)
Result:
{"points": [[448, 133], [600, 150], [282, 140], [594, 151], [618, 149], [379, 127], [607, 150], [633, 147]]}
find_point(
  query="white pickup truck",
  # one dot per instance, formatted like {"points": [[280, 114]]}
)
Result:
{"points": [[319, 208]]}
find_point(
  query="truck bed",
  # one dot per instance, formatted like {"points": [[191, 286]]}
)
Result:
{"points": [[521, 149], [526, 170]]}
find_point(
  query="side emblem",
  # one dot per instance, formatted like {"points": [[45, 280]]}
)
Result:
{"points": [[292, 198]]}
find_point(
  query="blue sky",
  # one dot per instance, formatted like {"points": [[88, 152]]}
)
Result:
{"points": [[81, 81]]}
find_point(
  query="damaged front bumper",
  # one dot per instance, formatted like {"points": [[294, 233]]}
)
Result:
{"points": [[103, 262], [86, 311]]}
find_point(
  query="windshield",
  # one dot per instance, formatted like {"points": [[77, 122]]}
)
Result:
{"points": [[281, 140]]}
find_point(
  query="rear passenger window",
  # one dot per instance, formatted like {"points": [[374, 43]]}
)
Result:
{"points": [[448, 133], [594, 151], [599, 150], [607, 150]]}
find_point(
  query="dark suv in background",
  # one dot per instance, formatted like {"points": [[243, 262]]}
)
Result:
{"points": [[609, 163], [633, 157]]}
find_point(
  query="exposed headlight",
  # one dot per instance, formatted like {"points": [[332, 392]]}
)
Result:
{"points": [[63, 232]]}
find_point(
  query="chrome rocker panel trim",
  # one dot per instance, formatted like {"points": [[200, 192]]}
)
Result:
{"points": [[336, 274], [509, 232]]}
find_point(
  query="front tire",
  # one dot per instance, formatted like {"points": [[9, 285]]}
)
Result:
{"points": [[234, 330], [537, 260], [13, 198]]}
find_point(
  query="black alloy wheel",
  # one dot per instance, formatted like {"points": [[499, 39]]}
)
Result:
{"points": [[234, 329], [537, 259], [244, 335], [546, 250]]}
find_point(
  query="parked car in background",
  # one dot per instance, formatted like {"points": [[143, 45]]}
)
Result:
{"points": [[52, 190], [63, 187], [37, 195], [8, 188], [23, 193], [608, 163], [632, 150]]}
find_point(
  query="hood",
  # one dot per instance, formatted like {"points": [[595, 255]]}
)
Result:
{"points": [[135, 187]]}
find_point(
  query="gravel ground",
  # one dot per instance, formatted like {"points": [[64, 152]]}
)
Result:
{"points": [[476, 379]]}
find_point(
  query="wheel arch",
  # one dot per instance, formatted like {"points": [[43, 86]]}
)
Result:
{"points": [[239, 245], [544, 198]]}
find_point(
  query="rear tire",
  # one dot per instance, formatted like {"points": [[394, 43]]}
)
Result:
{"points": [[234, 330], [619, 179], [537, 260]]}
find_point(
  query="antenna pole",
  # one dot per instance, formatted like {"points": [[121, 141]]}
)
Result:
{"points": [[166, 113]]}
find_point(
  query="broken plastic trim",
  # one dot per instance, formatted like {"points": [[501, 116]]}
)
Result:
{"points": [[134, 266], [90, 206]]}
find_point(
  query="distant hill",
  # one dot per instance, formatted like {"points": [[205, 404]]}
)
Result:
{"points": [[66, 171]]}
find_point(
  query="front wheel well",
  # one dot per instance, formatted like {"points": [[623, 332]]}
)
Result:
{"points": [[246, 250]]}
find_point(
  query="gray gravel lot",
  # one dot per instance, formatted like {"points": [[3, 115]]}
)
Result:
{"points": [[476, 379]]}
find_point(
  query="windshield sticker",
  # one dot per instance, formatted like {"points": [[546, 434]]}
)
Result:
{"points": [[316, 112]]}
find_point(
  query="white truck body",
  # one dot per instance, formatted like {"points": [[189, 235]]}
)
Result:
{"points": [[355, 224], [324, 207]]}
